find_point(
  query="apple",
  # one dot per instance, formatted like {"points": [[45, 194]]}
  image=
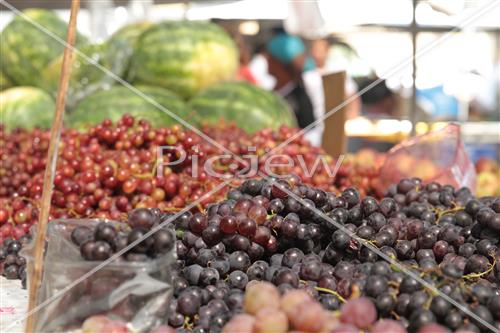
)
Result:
{"points": [[486, 164], [488, 183]]}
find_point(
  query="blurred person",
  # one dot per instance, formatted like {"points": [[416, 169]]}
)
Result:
{"points": [[297, 81], [379, 101], [328, 61], [244, 73]]}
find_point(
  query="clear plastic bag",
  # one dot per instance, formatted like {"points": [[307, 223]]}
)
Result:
{"points": [[436, 156], [134, 293]]}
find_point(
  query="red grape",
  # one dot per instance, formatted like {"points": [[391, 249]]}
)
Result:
{"points": [[360, 312]]}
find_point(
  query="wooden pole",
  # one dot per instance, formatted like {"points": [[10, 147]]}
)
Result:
{"points": [[50, 169]]}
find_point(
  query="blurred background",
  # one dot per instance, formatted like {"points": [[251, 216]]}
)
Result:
{"points": [[455, 75]]}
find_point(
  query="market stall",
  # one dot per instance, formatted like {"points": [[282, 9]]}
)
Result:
{"points": [[206, 167]]}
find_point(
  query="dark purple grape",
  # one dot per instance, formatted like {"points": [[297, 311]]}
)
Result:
{"points": [[238, 279], [404, 249], [276, 206], [494, 306], [376, 221], [105, 232], [86, 250], [141, 218], [255, 251], [285, 275], [81, 234], [351, 196], [101, 251], [188, 304], [221, 265], [426, 239], [163, 241], [385, 303], [477, 264], [198, 223], [240, 243], [453, 320], [208, 276], [211, 235], [137, 234], [344, 270], [375, 285], [205, 257], [421, 318], [369, 206], [11, 272], [239, 260], [405, 186], [310, 270]]}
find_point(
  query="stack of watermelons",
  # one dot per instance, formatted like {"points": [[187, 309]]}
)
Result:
{"points": [[161, 72]]}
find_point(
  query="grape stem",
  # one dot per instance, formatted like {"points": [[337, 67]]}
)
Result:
{"points": [[472, 276], [326, 290], [188, 324]]}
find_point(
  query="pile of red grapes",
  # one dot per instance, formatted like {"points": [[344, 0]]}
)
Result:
{"points": [[110, 169]]}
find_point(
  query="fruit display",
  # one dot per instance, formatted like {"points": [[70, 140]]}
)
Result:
{"points": [[13, 264], [125, 40], [134, 289], [312, 245], [26, 107], [266, 310], [157, 226], [184, 57], [250, 107], [104, 239], [114, 103], [363, 170], [488, 177], [106, 170], [444, 233], [27, 50]]}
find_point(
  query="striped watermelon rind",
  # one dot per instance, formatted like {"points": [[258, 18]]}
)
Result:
{"points": [[27, 50], [86, 78], [185, 56], [26, 107], [117, 101], [125, 40], [5, 82], [250, 107]]}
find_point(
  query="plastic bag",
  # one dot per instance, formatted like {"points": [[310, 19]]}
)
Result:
{"points": [[438, 156], [135, 293]]}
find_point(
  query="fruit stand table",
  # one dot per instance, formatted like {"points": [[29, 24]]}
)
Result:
{"points": [[13, 304]]}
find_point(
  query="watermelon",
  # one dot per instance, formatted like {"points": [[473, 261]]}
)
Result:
{"points": [[125, 40], [86, 78], [26, 107], [5, 82], [27, 50], [250, 107], [184, 56], [117, 101]]}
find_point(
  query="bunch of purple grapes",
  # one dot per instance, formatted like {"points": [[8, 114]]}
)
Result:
{"points": [[12, 264], [287, 233], [102, 241]]}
